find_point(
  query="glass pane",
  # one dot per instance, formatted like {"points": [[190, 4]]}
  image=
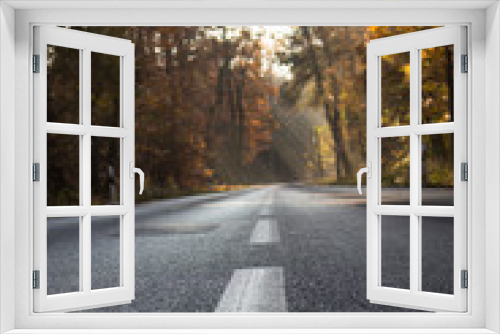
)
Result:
{"points": [[395, 232], [63, 255], [437, 84], [437, 254], [395, 89], [437, 169], [395, 170], [105, 89], [63, 85], [105, 171], [63, 170], [105, 252]]}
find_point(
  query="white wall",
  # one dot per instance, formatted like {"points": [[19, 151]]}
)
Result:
{"points": [[7, 162], [492, 151]]}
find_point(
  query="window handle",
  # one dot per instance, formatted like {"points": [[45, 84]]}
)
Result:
{"points": [[368, 171], [141, 176]]}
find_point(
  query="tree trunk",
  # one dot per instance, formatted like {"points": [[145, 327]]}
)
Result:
{"points": [[218, 104], [319, 79], [333, 118], [241, 115]]}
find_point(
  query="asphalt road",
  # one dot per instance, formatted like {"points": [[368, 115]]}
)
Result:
{"points": [[286, 248]]}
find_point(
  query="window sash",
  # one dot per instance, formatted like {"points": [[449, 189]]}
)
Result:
{"points": [[86, 297], [413, 43]]}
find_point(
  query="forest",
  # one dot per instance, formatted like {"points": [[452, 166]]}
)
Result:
{"points": [[221, 108]]}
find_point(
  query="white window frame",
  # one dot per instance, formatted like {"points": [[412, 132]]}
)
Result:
{"points": [[483, 21]]}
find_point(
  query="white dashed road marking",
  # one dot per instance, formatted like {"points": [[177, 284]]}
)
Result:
{"points": [[266, 231], [259, 289], [266, 210]]}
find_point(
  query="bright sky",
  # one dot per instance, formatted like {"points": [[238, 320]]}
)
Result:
{"points": [[270, 36]]}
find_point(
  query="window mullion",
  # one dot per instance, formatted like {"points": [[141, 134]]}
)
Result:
{"points": [[85, 166], [80, 188], [414, 171]]}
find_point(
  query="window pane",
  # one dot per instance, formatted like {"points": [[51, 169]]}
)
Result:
{"points": [[437, 84], [63, 170], [105, 89], [105, 171], [63, 255], [395, 170], [105, 252], [395, 89], [395, 232], [63, 85], [437, 169], [437, 254]]}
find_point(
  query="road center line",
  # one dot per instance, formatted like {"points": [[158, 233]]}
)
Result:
{"points": [[259, 289], [267, 207], [266, 231], [266, 210]]}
